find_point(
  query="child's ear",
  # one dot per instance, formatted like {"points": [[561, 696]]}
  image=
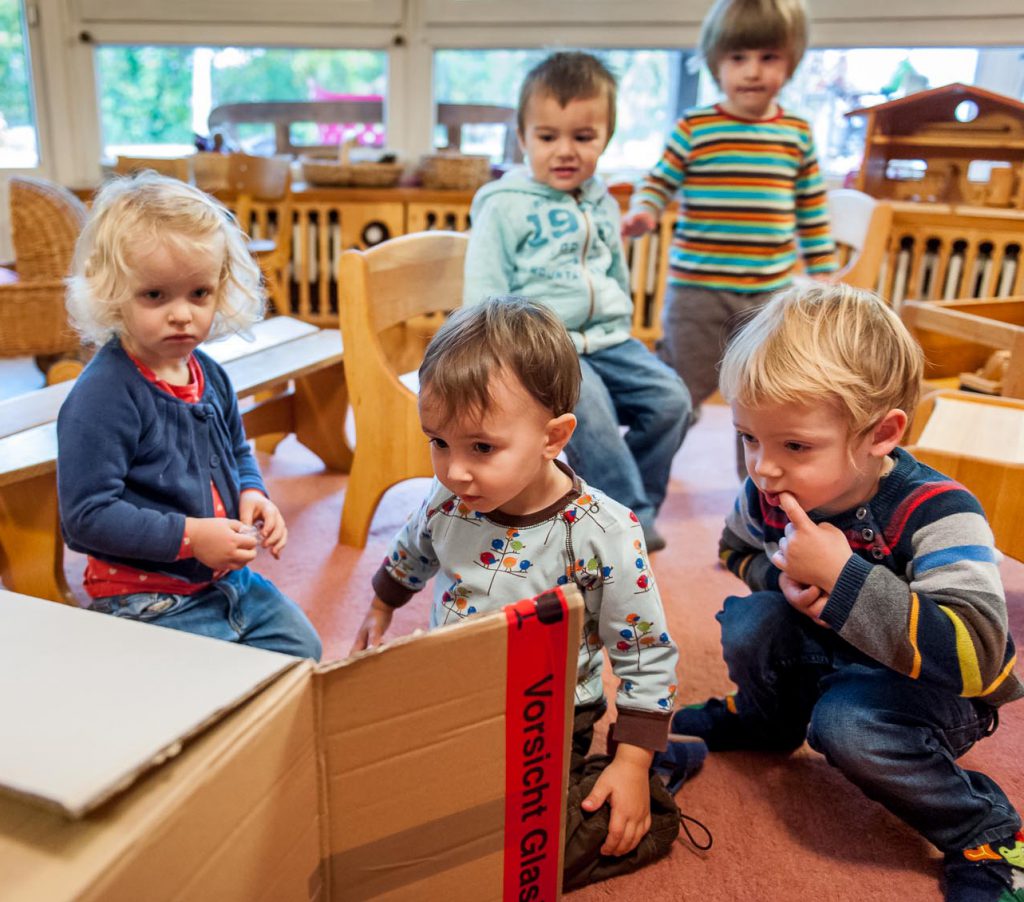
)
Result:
{"points": [[558, 432], [888, 431], [522, 140]]}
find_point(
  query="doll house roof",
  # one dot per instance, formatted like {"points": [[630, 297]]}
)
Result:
{"points": [[939, 103]]}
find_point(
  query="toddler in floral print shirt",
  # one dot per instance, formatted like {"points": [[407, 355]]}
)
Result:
{"points": [[504, 519]]}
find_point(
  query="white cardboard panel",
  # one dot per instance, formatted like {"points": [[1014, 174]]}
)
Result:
{"points": [[89, 701]]}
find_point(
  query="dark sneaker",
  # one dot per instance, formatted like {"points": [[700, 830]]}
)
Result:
{"points": [[987, 873], [984, 881], [681, 760], [653, 539], [720, 726]]}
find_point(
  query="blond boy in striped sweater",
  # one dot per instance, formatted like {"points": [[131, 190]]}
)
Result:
{"points": [[876, 625]]}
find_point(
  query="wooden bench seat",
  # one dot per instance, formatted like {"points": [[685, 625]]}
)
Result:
{"points": [[977, 440], [291, 380]]}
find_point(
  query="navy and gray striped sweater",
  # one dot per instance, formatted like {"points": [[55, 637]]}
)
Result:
{"points": [[921, 593]]}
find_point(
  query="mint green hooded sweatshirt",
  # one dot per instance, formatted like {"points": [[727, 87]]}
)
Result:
{"points": [[538, 242]]}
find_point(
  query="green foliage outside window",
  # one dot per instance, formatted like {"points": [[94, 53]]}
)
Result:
{"points": [[147, 93], [15, 99]]}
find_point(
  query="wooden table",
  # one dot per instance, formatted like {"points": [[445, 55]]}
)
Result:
{"points": [[291, 377]]}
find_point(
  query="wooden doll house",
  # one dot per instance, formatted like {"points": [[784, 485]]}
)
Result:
{"points": [[955, 144]]}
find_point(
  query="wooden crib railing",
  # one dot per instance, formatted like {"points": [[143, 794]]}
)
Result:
{"points": [[935, 252]]}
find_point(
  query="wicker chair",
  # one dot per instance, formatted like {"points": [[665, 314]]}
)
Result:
{"points": [[45, 222]]}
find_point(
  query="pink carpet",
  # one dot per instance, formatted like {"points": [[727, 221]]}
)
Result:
{"points": [[785, 827]]}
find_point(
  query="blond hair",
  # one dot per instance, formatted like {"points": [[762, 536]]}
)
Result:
{"points": [[754, 25], [503, 335], [569, 75], [828, 343], [128, 212]]}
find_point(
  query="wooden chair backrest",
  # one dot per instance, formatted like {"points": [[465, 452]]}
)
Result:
{"points": [[283, 113], [410, 276], [259, 178], [176, 168], [392, 299]]}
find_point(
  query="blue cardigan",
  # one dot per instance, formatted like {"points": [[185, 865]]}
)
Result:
{"points": [[134, 461]]}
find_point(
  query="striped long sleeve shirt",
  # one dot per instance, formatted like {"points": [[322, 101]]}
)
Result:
{"points": [[921, 593], [750, 190]]}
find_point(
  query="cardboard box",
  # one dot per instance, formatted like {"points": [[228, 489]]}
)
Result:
{"points": [[144, 763]]}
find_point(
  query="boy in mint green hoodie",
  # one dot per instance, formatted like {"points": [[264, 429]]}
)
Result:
{"points": [[552, 234]]}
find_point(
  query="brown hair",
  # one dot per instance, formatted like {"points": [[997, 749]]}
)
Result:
{"points": [[754, 25], [827, 343], [569, 75], [510, 334]]}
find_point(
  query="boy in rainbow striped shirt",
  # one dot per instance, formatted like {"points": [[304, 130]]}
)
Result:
{"points": [[750, 187]]}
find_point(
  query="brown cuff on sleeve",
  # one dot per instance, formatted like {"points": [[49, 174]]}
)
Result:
{"points": [[644, 729], [388, 590]]}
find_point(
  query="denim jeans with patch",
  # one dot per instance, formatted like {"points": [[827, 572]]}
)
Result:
{"points": [[895, 738], [241, 607], [626, 384]]}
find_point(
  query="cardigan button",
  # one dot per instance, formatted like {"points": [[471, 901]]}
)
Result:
{"points": [[200, 412], [215, 461], [867, 533], [877, 553], [862, 513]]}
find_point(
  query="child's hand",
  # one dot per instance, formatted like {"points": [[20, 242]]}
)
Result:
{"points": [[810, 553], [253, 507], [809, 600], [373, 627], [638, 223], [625, 785], [218, 543]]}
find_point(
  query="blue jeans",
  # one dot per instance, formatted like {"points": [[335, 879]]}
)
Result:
{"points": [[628, 385], [895, 738], [241, 607]]}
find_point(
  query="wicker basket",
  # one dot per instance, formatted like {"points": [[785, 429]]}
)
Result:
{"points": [[319, 171], [455, 171]]}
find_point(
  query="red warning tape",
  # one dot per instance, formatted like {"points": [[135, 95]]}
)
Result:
{"points": [[534, 752]]}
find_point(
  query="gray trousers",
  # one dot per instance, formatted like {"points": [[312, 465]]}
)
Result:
{"points": [[697, 324]]}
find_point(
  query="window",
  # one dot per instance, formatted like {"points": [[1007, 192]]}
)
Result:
{"points": [[830, 83], [18, 144], [655, 86], [651, 83], [155, 100]]}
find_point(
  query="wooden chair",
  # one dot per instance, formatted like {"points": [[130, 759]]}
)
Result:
{"points": [[282, 114], [860, 228], [256, 183], [45, 222], [960, 336], [977, 440], [454, 116], [385, 293], [175, 168]]}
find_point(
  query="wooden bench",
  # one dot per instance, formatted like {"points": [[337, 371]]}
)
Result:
{"points": [[979, 441], [291, 377]]}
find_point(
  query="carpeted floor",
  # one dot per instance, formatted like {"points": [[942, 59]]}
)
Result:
{"points": [[785, 827]]}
